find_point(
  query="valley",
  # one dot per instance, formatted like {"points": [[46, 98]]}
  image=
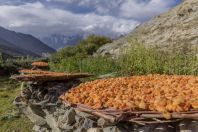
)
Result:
{"points": [[144, 80]]}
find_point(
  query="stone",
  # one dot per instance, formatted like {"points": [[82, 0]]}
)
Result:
{"points": [[94, 130], [34, 116], [80, 130], [164, 128], [188, 125], [67, 121], [161, 127], [79, 120], [46, 130], [125, 126], [88, 123], [36, 128], [85, 123], [102, 122], [110, 129], [51, 122], [69, 116], [68, 128], [85, 115]]}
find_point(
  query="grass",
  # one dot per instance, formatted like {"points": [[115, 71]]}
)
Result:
{"points": [[137, 60], [95, 65], [141, 60], [10, 119]]}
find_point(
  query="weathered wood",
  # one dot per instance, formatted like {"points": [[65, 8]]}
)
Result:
{"points": [[27, 71], [139, 117], [173, 116], [107, 117], [49, 77], [142, 122]]}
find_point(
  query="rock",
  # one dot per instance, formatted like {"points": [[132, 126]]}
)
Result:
{"points": [[125, 127], [40, 129], [88, 123], [85, 115], [110, 129], [85, 123], [188, 126], [67, 120], [34, 115], [175, 28], [68, 128], [164, 127], [51, 122], [94, 130], [64, 118], [102, 122], [80, 130], [26, 93], [58, 113], [79, 120], [36, 128], [69, 116], [46, 130]]}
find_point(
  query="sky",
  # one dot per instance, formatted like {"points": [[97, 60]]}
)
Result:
{"points": [[43, 18]]}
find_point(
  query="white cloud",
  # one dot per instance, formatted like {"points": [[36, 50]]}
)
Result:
{"points": [[131, 9], [40, 20], [143, 10], [107, 17]]}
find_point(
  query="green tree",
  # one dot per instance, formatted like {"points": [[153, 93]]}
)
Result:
{"points": [[84, 49], [92, 43]]}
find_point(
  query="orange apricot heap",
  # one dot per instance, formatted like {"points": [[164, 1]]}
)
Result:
{"points": [[40, 64], [162, 93]]}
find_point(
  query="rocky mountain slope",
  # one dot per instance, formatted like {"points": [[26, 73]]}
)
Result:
{"points": [[12, 50], [14, 43], [58, 41], [175, 28]]}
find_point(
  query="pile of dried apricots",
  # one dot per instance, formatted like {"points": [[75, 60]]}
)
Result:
{"points": [[162, 93]]}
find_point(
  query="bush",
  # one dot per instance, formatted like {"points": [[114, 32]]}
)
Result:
{"points": [[149, 60], [96, 65], [137, 60], [84, 49], [11, 65]]}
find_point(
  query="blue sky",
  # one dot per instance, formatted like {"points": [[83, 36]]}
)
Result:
{"points": [[107, 17]]}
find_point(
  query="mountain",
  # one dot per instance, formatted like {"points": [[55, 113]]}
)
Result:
{"points": [[175, 28], [57, 41], [12, 50], [22, 44]]}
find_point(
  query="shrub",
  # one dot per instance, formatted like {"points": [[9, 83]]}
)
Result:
{"points": [[141, 60], [84, 49], [12, 65], [137, 60], [96, 65]]}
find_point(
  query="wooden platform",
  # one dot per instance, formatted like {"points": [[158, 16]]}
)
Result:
{"points": [[139, 116], [42, 76]]}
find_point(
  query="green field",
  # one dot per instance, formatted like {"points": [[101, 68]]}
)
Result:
{"points": [[10, 118]]}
